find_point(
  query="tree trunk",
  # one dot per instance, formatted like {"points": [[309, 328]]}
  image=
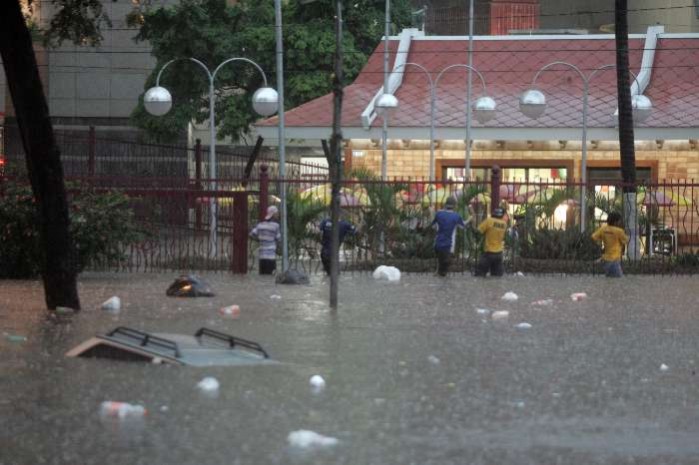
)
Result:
{"points": [[626, 134], [335, 159], [42, 157]]}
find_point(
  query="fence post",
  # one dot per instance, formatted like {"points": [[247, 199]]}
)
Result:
{"points": [[91, 142], [240, 233], [264, 192], [495, 188], [197, 184]]}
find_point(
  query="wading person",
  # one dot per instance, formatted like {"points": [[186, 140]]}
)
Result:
{"points": [[268, 232], [326, 239], [446, 221], [614, 239], [494, 229]]}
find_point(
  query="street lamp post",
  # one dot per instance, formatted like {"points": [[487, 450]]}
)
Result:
{"points": [[483, 108], [532, 103], [385, 114], [158, 101], [469, 85]]}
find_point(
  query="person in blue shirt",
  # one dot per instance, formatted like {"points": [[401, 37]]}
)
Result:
{"points": [[326, 239], [447, 221]]}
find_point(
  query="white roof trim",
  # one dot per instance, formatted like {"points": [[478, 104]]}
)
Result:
{"points": [[518, 37], [457, 133], [395, 79]]}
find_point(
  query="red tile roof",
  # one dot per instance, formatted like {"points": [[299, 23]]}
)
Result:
{"points": [[508, 66]]}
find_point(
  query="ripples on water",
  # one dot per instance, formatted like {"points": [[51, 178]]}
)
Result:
{"points": [[582, 385]]}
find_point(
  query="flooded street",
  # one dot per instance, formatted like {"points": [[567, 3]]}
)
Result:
{"points": [[415, 373]]}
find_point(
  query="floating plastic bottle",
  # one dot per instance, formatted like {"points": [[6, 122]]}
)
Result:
{"points": [[231, 311], [121, 410], [15, 337]]}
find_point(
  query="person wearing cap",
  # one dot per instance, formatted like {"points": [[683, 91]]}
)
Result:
{"points": [[446, 221], [268, 232], [614, 239], [326, 227], [494, 229]]}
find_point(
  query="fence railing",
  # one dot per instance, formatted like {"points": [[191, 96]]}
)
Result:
{"points": [[393, 217]]}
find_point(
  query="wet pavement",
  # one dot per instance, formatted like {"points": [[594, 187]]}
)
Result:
{"points": [[415, 374]]}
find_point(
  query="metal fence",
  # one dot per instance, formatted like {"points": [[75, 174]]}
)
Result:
{"points": [[394, 223], [173, 204]]}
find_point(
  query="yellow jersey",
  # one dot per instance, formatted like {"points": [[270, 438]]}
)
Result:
{"points": [[614, 240], [494, 230]]}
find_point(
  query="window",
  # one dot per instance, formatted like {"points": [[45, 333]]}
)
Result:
{"points": [[511, 174]]}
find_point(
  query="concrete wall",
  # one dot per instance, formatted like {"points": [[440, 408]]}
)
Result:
{"points": [[675, 15], [98, 82]]}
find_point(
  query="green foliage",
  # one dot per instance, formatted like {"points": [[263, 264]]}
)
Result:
{"points": [[560, 244], [102, 224], [212, 31], [382, 217], [413, 237], [78, 21], [20, 251], [688, 259], [302, 213]]}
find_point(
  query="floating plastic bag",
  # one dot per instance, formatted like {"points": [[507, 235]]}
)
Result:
{"points": [[113, 305], [387, 273], [305, 438], [500, 315]]}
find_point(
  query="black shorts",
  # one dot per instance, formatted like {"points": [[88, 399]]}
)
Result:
{"points": [[267, 266], [490, 262], [443, 261]]}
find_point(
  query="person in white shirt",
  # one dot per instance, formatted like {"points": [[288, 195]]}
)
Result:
{"points": [[268, 232]]}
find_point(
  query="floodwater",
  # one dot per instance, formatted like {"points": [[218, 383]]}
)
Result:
{"points": [[415, 375]]}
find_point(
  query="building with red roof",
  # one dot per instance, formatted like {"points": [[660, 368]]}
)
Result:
{"points": [[666, 67]]}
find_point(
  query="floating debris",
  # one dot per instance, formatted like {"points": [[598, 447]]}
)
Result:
{"points": [[15, 337], [510, 296], [208, 385], [317, 382], [121, 410], [305, 438], [232, 311], [112, 305], [577, 296], [500, 315], [523, 326], [387, 273]]}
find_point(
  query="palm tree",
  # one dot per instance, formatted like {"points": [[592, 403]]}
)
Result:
{"points": [[382, 214], [302, 212]]}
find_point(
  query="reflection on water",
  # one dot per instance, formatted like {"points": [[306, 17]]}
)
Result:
{"points": [[582, 385]]}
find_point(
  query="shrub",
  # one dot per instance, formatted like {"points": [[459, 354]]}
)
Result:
{"points": [[102, 224], [688, 259], [570, 244]]}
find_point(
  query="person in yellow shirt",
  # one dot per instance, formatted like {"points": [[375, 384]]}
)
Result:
{"points": [[614, 239], [494, 229]]}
